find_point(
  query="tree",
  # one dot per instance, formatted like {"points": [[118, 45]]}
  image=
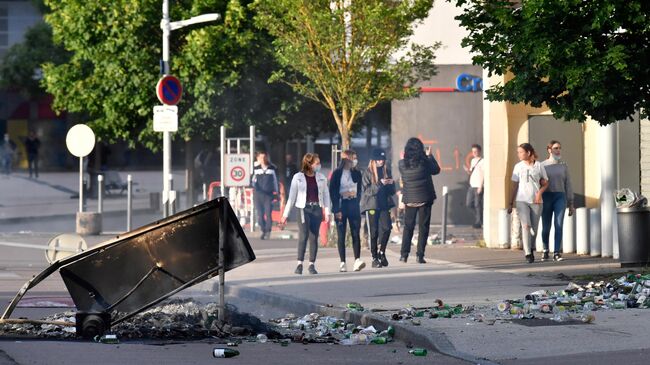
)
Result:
{"points": [[579, 58], [21, 65], [114, 67], [348, 55]]}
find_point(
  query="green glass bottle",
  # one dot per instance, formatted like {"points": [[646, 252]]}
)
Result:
{"points": [[224, 352], [391, 331], [379, 340], [418, 352]]}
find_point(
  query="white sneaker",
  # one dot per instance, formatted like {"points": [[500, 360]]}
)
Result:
{"points": [[358, 265], [342, 267]]}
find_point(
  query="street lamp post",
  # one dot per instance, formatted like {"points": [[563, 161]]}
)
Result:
{"points": [[167, 26]]}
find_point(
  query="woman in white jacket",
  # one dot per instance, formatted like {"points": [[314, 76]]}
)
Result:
{"points": [[310, 194]]}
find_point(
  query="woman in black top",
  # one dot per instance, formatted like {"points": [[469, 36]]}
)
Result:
{"points": [[376, 202], [418, 195], [345, 190]]}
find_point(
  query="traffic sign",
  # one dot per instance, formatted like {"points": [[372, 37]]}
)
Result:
{"points": [[165, 118], [169, 90], [80, 140], [237, 170]]}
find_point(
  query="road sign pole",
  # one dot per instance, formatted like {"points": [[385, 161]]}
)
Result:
{"points": [[81, 184], [167, 157], [222, 129]]}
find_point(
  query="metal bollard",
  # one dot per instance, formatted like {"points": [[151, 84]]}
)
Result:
{"points": [[100, 193], [445, 197], [569, 233], [171, 200], [504, 228], [129, 201], [84, 196], [594, 239], [582, 231]]}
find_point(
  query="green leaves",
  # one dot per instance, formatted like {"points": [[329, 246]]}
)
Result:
{"points": [[115, 48], [580, 58], [342, 53]]}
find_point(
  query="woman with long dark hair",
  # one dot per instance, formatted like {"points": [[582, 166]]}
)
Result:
{"points": [[376, 202], [308, 193], [529, 181], [418, 195], [557, 198]]}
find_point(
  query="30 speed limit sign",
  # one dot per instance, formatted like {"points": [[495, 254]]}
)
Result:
{"points": [[237, 170]]}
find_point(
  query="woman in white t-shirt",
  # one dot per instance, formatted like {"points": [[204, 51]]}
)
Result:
{"points": [[529, 181]]}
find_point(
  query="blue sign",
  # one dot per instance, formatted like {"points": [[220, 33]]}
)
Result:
{"points": [[467, 83]]}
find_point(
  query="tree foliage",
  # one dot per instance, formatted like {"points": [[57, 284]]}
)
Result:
{"points": [[21, 65], [116, 47], [579, 58], [348, 55]]}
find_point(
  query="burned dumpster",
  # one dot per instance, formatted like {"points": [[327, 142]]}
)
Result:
{"points": [[132, 272]]}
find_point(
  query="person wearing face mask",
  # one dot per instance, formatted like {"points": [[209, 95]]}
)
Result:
{"points": [[310, 194], [345, 190], [376, 202], [557, 197], [529, 181]]}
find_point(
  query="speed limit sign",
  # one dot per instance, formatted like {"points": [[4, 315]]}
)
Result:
{"points": [[237, 170]]}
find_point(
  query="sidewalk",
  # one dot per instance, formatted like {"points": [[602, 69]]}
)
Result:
{"points": [[52, 194], [457, 274]]}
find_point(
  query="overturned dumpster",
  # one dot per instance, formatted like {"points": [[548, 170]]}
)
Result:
{"points": [[119, 278]]}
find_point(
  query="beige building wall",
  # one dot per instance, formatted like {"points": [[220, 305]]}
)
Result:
{"points": [[505, 126]]}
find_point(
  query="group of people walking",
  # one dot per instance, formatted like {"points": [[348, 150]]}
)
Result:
{"points": [[352, 193], [541, 189], [8, 152]]}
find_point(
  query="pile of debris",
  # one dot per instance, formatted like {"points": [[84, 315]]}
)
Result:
{"points": [[182, 319], [314, 328], [630, 291]]}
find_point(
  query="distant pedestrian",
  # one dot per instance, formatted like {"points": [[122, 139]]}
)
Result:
{"points": [[265, 185], [474, 198], [376, 202], [345, 191], [529, 181], [7, 152], [289, 170], [418, 195], [557, 198], [310, 194], [32, 145]]}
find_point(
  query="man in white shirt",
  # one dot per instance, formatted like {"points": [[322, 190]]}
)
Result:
{"points": [[474, 198]]}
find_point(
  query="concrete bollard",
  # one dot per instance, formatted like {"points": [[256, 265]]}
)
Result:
{"points": [[515, 231], [89, 223], [594, 236], [539, 242], [445, 199], [504, 228], [582, 231], [569, 233]]}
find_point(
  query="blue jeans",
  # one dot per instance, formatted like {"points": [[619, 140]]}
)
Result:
{"points": [[554, 204]]}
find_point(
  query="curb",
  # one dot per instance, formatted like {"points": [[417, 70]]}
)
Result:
{"points": [[407, 334]]}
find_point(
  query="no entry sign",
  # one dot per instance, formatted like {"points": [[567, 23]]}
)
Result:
{"points": [[237, 170], [169, 90]]}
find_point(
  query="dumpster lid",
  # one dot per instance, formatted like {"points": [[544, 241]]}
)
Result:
{"points": [[633, 209]]}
